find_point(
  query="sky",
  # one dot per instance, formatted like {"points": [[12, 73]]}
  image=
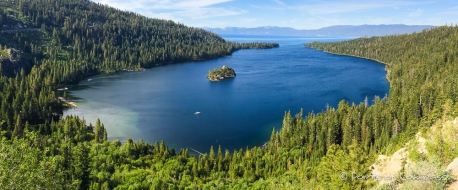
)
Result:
{"points": [[298, 14]]}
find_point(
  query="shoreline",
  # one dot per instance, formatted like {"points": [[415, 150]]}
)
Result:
{"points": [[383, 63], [69, 103]]}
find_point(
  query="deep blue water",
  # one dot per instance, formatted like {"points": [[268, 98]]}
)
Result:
{"points": [[159, 103]]}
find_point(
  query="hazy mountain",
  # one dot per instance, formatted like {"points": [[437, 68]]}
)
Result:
{"points": [[339, 30]]}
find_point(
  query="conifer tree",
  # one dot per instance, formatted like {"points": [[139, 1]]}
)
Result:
{"points": [[18, 127]]}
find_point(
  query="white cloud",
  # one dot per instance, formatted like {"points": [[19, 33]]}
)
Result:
{"points": [[329, 21], [299, 14], [322, 7], [175, 9], [450, 12], [249, 20], [279, 2], [166, 16], [195, 4], [383, 20], [416, 13], [352, 6], [202, 13], [161, 4], [269, 7]]}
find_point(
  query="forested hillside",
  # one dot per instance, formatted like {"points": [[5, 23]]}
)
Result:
{"points": [[78, 38], [66, 40], [422, 71]]}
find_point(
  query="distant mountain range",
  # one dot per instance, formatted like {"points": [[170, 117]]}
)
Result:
{"points": [[338, 30]]}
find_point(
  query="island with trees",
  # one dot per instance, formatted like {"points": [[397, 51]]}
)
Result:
{"points": [[221, 73]]}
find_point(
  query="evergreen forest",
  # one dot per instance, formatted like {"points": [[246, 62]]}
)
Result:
{"points": [[61, 42]]}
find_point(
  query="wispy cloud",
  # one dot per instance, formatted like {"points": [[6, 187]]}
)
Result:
{"points": [[416, 13], [294, 20], [249, 20], [450, 12], [269, 7], [383, 20], [330, 7], [320, 7], [175, 9], [298, 14], [162, 4], [202, 13], [331, 21], [279, 2]]}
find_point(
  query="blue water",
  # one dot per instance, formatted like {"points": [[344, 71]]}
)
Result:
{"points": [[159, 103]]}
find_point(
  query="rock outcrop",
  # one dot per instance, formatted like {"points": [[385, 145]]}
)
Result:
{"points": [[12, 64]]}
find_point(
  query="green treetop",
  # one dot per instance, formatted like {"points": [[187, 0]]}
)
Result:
{"points": [[221, 73]]}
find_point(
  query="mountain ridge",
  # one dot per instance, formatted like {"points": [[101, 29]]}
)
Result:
{"points": [[336, 30]]}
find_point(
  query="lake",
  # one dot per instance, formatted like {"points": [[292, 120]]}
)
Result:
{"points": [[159, 103]]}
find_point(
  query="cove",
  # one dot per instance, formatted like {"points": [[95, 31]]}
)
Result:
{"points": [[159, 103]]}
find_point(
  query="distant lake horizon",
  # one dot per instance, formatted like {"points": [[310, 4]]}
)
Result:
{"points": [[159, 103]]}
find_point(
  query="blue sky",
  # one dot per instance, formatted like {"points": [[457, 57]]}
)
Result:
{"points": [[299, 14]]}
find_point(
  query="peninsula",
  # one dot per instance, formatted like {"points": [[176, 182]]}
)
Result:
{"points": [[221, 73]]}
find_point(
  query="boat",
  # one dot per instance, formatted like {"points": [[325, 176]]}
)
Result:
{"points": [[197, 113], [89, 80]]}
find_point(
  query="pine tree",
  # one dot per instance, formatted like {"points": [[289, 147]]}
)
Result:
{"points": [[97, 131], [212, 154], [104, 134], [18, 127], [220, 153]]}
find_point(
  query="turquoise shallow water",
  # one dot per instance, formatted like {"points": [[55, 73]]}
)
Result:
{"points": [[159, 103]]}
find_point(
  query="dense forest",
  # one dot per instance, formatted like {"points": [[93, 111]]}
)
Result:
{"points": [[73, 39], [57, 42]]}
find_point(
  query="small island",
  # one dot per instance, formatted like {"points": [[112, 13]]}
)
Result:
{"points": [[221, 73]]}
